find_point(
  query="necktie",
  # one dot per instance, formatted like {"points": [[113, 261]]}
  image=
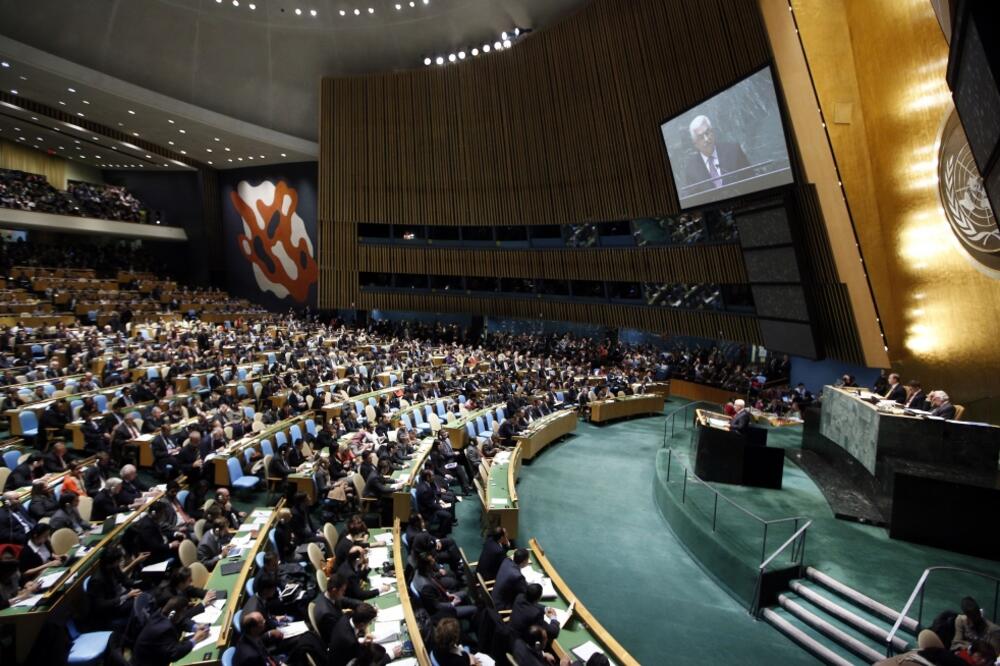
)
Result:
{"points": [[713, 171]]}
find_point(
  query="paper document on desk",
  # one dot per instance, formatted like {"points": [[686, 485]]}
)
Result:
{"points": [[498, 501], [212, 639], [377, 557], [548, 590], [385, 632], [208, 616], [294, 629], [121, 517], [377, 581], [585, 651], [159, 567], [718, 423], [391, 614], [411, 661], [48, 580], [385, 538], [28, 602], [563, 616], [532, 575]]}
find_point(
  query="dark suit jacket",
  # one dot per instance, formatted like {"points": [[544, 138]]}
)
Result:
{"points": [[250, 652], [104, 506], [525, 614], [54, 463], [490, 558], [159, 643], [525, 656], [20, 477], [93, 476], [353, 578], [740, 422], [11, 529], [731, 157], [918, 401], [898, 393], [343, 643], [147, 536], [510, 583], [328, 614], [947, 411]]}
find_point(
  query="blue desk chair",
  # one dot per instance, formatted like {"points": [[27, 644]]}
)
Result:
{"points": [[10, 458], [237, 479], [86, 648], [227, 656]]}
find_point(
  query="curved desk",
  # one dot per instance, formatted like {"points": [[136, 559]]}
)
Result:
{"points": [[546, 430], [630, 405], [497, 492]]}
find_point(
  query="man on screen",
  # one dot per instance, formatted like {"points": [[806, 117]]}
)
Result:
{"points": [[712, 166]]}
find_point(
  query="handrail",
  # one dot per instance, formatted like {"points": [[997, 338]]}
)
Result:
{"points": [[798, 543], [919, 589], [673, 414], [782, 547]]}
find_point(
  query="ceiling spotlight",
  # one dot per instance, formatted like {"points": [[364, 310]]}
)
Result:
{"points": [[135, 134], [461, 55], [252, 6], [208, 150], [249, 157], [475, 52], [182, 131], [427, 2], [371, 10], [170, 143], [452, 57], [298, 12], [184, 152], [148, 157], [236, 3], [230, 159], [398, 7], [170, 121], [506, 43], [413, 4], [427, 61], [262, 157], [312, 12], [226, 149], [284, 155], [220, 2], [73, 90], [62, 103], [239, 159], [94, 138], [342, 13], [86, 102], [517, 31], [4, 64], [131, 112], [486, 48], [439, 60], [79, 114], [503, 35], [497, 46], [357, 12], [210, 161]]}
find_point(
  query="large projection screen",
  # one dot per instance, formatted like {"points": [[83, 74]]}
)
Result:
{"points": [[731, 144]]}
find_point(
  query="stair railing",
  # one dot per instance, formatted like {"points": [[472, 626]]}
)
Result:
{"points": [[797, 542], [918, 592]]}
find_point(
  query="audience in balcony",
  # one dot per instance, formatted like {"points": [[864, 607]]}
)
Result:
{"points": [[33, 192]]}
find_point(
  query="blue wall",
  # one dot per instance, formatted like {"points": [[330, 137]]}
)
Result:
{"points": [[816, 374]]}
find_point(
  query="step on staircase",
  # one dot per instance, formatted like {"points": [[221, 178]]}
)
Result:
{"points": [[836, 623]]}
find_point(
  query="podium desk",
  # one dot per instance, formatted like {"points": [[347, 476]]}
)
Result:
{"points": [[724, 456]]}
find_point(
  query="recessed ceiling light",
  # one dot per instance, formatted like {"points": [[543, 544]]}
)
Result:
{"points": [[461, 55], [95, 138], [506, 43], [342, 13], [131, 112], [371, 10], [23, 78], [4, 64], [298, 12], [439, 60], [34, 117], [114, 147], [62, 103], [208, 150], [452, 57], [170, 121], [79, 113], [170, 142], [210, 161], [61, 148], [398, 7], [148, 157], [121, 124], [226, 149], [135, 134], [357, 12], [262, 157], [71, 89], [497, 46], [252, 6], [312, 12], [427, 61], [230, 159], [184, 152], [86, 102], [216, 138], [249, 157], [236, 3], [182, 131], [239, 159], [284, 155], [486, 48], [475, 52]]}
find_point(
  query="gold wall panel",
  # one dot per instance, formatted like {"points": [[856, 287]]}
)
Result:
{"points": [[940, 312]]}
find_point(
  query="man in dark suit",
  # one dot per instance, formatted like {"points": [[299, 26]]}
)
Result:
{"points": [[15, 523], [895, 391], [25, 474], [147, 537], [741, 419], [132, 487], [712, 165], [330, 606], [250, 649], [941, 404], [527, 612], [106, 501], [344, 643], [352, 570], [98, 474], [55, 460], [159, 643], [917, 398], [494, 553], [164, 451], [510, 581]]}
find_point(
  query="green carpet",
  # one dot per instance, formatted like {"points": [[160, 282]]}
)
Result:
{"points": [[589, 502], [862, 556]]}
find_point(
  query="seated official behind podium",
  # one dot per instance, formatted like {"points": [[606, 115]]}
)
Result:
{"points": [[895, 391], [941, 405], [741, 419]]}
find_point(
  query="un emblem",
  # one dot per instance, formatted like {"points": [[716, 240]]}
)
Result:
{"points": [[964, 198]]}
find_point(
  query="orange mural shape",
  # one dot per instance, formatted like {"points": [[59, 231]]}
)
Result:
{"points": [[270, 249]]}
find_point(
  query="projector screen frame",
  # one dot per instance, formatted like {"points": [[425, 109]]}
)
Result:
{"points": [[791, 149]]}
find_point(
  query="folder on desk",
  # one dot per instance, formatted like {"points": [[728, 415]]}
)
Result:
{"points": [[230, 568]]}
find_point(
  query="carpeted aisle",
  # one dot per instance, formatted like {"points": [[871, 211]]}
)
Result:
{"points": [[589, 502]]}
